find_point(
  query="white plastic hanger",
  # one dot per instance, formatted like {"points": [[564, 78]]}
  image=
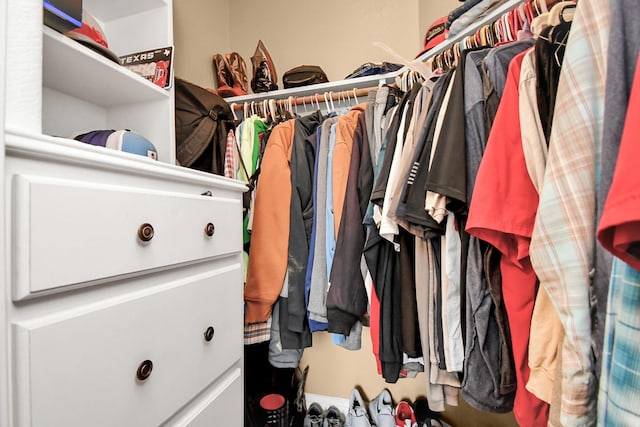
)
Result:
{"points": [[333, 107], [326, 101], [557, 13]]}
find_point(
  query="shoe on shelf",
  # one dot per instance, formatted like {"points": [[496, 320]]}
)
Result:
{"points": [[238, 69], [357, 415], [405, 416], [314, 415], [333, 417], [381, 410]]}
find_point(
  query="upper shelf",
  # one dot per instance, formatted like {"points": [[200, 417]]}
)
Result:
{"points": [[362, 82], [76, 70]]}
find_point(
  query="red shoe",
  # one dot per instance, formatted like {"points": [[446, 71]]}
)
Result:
{"points": [[405, 416]]}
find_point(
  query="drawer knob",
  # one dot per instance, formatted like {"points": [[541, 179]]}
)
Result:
{"points": [[144, 370], [208, 334], [209, 229], [145, 232]]}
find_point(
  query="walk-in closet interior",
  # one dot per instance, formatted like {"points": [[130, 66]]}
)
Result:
{"points": [[335, 213]]}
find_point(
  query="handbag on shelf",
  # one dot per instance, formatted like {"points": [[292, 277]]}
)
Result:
{"points": [[264, 78], [304, 75]]}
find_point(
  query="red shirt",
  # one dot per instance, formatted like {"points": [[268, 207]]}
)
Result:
{"points": [[619, 228], [502, 213]]}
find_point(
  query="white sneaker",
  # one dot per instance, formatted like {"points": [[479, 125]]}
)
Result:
{"points": [[381, 410], [357, 415]]}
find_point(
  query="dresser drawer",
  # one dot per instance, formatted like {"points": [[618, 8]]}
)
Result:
{"points": [[69, 232], [130, 360]]}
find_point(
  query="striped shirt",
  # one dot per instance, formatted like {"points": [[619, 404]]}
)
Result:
{"points": [[562, 245]]}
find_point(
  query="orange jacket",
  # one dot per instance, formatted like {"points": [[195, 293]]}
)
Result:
{"points": [[270, 234]]}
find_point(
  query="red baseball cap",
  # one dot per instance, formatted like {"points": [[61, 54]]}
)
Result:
{"points": [[92, 36], [436, 34]]}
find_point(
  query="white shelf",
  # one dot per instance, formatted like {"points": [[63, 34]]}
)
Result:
{"points": [[76, 70]]}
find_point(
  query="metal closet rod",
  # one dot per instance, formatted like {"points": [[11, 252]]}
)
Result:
{"points": [[371, 82]]}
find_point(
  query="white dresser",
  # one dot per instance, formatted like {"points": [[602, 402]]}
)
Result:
{"points": [[122, 296]]}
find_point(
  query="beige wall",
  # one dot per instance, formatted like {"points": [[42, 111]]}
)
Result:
{"points": [[334, 34], [337, 35], [432, 10], [200, 29], [334, 371]]}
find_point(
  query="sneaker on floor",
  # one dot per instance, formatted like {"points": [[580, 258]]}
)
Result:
{"points": [[381, 410], [333, 417], [405, 416], [313, 418], [357, 415], [425, 417]]}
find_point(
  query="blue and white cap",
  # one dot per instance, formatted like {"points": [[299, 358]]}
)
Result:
{"points": [[121, 140]]}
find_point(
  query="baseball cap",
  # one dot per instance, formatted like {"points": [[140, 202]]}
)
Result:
{"points": [[436, 34], [91, 35], [122, 140]]}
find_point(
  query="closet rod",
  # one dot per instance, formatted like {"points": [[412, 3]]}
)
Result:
{"points": [[316, 98], [379, 79]]}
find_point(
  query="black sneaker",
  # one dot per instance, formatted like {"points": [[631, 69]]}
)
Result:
{"points": [[314, 416], [333, 418]]}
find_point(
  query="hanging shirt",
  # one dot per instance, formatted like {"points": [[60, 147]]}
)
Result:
{"points": [[489, 375], [412, 199], [319, 274], [624, 44], [502, 213], [562, 245], [546, 329], [618, 232]]}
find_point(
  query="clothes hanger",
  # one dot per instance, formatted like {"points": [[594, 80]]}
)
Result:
{"points": [[355, 96], [557, 13], [273, 110], [539, 23], [534, 3], [333, 108], [246, 110], [506, 28]]}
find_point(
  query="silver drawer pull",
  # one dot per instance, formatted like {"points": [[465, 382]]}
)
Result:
{"points": [[209, 229], [208, 334], [144, 370], [145, 232]]}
